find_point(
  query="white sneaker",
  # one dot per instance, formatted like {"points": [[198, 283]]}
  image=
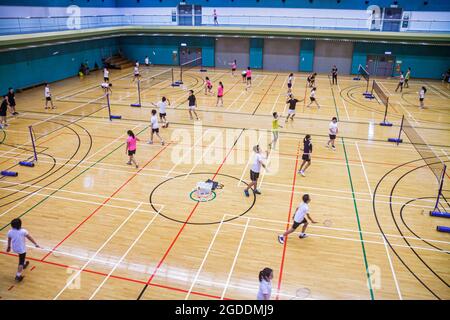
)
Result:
{"points": [[302, 173], [333, 148], [150, 142], [281, 239], [303, 235]]}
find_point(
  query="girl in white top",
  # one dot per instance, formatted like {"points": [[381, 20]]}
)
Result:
{"points": [[155, 128], [422, 92], [106, 87], [147, 61], [105, 74], [312, 98], [332, 132], [162, 110], [16, 241], [48, 97], [301, 213], [265, 284], [136, 72]]}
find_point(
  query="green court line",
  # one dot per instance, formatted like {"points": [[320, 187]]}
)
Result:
{"points": [[366, 264], [359, 224], [96, 162]]}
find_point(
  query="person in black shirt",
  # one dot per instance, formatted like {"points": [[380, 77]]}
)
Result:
{"points": [[306, 157], [12, 101], [292, 103], [3, 110], [192, 104], [311, 79], [334, 74]]}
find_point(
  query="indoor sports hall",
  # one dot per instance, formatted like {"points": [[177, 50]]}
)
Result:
{"points": [[230, 105]]}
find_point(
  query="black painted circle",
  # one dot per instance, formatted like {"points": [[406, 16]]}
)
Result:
{"points": [[199, 223]]}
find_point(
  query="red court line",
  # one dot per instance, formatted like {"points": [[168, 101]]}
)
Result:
{"points": [[104, 202], [280, 277], [185, 223], [115, 277]]}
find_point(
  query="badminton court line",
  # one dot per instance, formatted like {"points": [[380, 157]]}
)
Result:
{"points": [[384, 240], [72, 279], [125, 254]]}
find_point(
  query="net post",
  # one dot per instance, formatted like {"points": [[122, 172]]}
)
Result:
{"points": [[108, 105], [139, 94], [441, 185], [32, 143], [398, 140]]}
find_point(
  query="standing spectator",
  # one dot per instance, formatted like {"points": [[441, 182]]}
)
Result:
{"points": [[215, 18], [16, 241], [334, 74], [407, 76], [3, 112]]}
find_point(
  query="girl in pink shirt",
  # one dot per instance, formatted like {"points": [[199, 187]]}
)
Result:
{"points": [[131, 147], [220, 94], [208, 86], [249, 78]]}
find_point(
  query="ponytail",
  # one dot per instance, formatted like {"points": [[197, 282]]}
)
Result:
{"points": [[130, 133], [307, 137], [264, 274]]}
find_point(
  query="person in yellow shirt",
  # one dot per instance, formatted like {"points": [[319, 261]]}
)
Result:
{"points": [[275, 130]]}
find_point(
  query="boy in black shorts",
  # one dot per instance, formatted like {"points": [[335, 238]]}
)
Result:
{"points": [[192, 104], [306, 157], [292, 104], [300, 215]]}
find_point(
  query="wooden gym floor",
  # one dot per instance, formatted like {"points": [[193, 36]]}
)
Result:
{"points": [[110, 231]]}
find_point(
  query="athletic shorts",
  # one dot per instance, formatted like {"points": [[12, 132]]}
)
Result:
{"points": [[420, 99], [22, 257], [209, 87], [289, 85], [233, 69], [155, 130], [306, 157], [191, 107], [249, 78], [219, 96], [136, 75], [3, 112], [296, 224], [105, 78], [13, 104], [291, 111], [48, 98], [312, 99], [254, 175], [332, 136], [161, 115], [131, 152], [406, 80]]}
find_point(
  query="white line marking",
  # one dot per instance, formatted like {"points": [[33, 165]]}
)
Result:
{"points": [[69, 282], [235, 259]]}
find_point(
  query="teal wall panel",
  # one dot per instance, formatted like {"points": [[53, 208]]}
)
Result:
{"points": [[256, 53], [307, 55], [28, 67], [425, 61]]}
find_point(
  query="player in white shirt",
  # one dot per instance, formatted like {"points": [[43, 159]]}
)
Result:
{"points": [[332, 132], [106, 87], [422, 92], [136, 71], [162, 110], [155, 128], [147, 61], [289, 83], [48, 97], [301, 213], [312, 98], [401, 82], [16, 241], [265, 284], [105, 74], [258, 162]]}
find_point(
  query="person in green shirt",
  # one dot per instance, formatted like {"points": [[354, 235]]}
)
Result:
{"points": [[275, 130], [407, 76]]}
